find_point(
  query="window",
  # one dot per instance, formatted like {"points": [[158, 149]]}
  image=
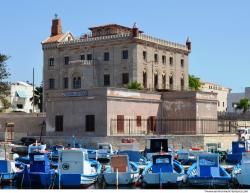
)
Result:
{"points": [[125, 54], [164, 81], [163, 59], [89, 56], [182, 62], [51, 83], [125, 78], [144, 79], [156, 57], [171, 82], [76, 82], [156, 81], [66, 60], [144, 53], [51, 62], [182, 83], [223, 104], [65, 82], [218, 103], [83, 57], [138, 121], [59, 123], [106, 78], [106, 56], [90, 123], [19, 106], [171, 60]]}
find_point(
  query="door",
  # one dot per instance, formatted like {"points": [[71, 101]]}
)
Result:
{"points": [[152, 124], [9, 132], [120, 123]]}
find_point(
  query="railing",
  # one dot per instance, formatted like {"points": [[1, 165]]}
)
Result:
{"points": [[234, 116], [162, 42], [122, 127], [82, 62]]}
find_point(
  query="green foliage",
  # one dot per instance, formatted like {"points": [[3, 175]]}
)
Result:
{"points": [[4, 84], [243, 104], [6, 103], [135, 85], [38, 97], [194, 82]]}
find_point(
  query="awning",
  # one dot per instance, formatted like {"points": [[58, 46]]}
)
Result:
{"points": [[21, 94]]}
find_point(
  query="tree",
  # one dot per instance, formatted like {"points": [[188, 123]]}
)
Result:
{"points": [[38, 97], [194, 82], [243, 104], [135, 85], [4, 84]]}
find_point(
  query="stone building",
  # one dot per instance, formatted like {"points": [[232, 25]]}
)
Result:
{"points": [[234, 98], [222, 94], [112, 56]]}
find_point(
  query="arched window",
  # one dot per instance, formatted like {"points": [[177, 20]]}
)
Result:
{"points": [[144, 79], [76, 82]]}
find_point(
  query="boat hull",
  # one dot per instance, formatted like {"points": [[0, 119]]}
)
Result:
{"points": [[124, 178], [7, 177], [163, 178], [206, 181]]}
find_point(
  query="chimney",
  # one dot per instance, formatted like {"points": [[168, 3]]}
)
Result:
{"points": [[135, 30], [189, 44], [56, 27]]}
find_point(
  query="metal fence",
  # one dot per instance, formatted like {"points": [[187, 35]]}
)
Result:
{"points": [[149, 126]]}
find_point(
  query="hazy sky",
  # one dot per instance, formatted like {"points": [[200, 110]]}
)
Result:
{"points": [[219, 30]]}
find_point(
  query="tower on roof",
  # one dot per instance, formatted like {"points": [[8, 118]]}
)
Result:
{"points": [[56, 28], [189, 44]]}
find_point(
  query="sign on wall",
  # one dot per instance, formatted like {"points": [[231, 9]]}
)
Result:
{"points": [[76, 93]]}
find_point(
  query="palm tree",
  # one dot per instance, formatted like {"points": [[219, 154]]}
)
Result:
{"points": [[243, 104], [194, 82], [38, 97], [135, 86]]}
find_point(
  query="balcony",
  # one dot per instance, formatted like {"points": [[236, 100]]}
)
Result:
{"points": [[81, 62]]}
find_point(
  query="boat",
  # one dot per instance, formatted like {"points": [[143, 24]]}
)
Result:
{"points": [[155, 145], [188, 156], [163, 170], [92, 154], [38, 172], [238, 147], [121, 171], [241, 172], [206, 171], [54, 155], [104, 151], [76, 170], [7, 171]]}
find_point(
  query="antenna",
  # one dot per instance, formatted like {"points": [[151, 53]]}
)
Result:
{"points": [[56, 16]]}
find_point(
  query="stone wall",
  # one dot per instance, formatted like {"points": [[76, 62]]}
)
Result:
{"points": [[25, 124]]}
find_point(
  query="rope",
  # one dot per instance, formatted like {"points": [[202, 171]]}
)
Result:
{"points": [[22, 181]]}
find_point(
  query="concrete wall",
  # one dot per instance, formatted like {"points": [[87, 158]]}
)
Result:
{"points": [[25, 124]]}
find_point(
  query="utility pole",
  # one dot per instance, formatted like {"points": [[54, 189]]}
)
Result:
{"points": [[33, 91]]}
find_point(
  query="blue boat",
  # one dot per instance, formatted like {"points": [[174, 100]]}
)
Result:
{"points": [[54, 155], [238, 147], [188, 156], [163, 170], [241, 172], [121, 171], [7, 171], [207, 172], [76, 170], [38, 172], [104, 151]]}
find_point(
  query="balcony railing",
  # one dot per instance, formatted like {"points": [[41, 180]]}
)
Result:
{"points": [[82, 62]]}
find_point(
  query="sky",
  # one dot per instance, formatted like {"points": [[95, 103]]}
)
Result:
{"points": [[219, 31]]}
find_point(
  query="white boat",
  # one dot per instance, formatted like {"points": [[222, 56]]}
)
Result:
{"points": [[104, 150], [121, 171], [163, 170], [76, 170], [241, 172]]}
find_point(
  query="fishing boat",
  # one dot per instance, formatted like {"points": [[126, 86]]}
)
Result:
{"points": [[238, 147], [54, 155], [241, 172], [76, 170], [188, 156], [38, 172], [92, 153], [104, 151], [7, 171], [206, 171], [154, 145], [163, 170], [121, 171]]}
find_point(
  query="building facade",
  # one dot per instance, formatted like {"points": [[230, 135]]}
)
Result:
{"points": [[112, 56], [222, 94]]}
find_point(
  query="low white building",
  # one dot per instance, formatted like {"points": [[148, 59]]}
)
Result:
{"points": [[19, 98], [222, 94]]}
